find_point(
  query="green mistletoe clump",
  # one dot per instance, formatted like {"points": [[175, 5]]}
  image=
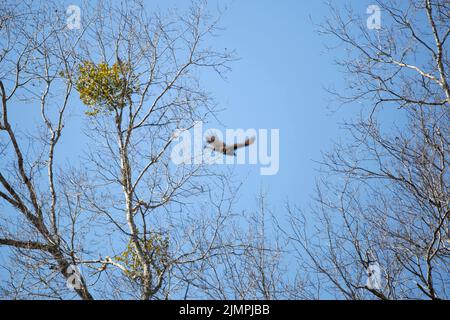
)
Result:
{"points": [[156, 248], [103, 87]]}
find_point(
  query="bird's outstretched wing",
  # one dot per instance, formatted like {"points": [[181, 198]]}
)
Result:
{"points": [[230, 149], [219, 146], [246, 143]]}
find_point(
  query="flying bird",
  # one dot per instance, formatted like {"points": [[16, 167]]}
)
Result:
{"points": [[219, 146]]}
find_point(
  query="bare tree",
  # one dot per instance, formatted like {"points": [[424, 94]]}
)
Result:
{"points": [[404, 63], [384, 195], [261, 270], [30, 62], [135, 223]]}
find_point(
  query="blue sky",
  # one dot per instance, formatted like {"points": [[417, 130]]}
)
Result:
{"points": [[278, 83]]}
